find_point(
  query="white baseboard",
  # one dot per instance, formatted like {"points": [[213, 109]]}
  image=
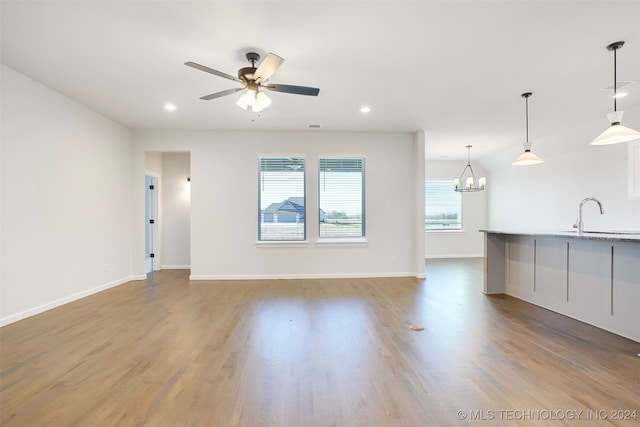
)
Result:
{"points": [[303, 276], [175, 267], [61, 301]]}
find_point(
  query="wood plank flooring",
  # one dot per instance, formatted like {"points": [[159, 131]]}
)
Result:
{"points": [[169, 352]]}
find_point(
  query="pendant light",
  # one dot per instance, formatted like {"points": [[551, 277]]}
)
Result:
{"points": [[616, 132], [467, 181], [527, 158]]}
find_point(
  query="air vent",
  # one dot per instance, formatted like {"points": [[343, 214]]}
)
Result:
{"points": [[314, 126]]}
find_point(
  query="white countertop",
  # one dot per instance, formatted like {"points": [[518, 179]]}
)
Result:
{"points": [[611, 236]]}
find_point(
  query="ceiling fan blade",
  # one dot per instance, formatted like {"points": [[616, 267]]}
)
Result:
{"points": [[212, 71], [220, 94], [269, 65], [297, 90]]}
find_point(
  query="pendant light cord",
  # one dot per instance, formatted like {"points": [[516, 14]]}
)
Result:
{"points": [[615, 51], [526, 103]]}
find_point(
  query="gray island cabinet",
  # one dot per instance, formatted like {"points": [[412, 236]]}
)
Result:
{"points": [[592, 277]]}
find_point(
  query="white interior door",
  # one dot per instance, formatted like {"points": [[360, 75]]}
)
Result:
{"points": [[151, 224]]}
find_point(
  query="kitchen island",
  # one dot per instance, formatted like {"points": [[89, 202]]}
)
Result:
{"points": [[593, 277]]}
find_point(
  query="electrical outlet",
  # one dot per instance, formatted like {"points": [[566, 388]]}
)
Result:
{"points": [[225, 260]]}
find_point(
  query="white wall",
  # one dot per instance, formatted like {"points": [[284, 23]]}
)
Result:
{"points": [[176, 211], [468, 242], [153, 162], [66, 199], [224, 194], [546, 196]]}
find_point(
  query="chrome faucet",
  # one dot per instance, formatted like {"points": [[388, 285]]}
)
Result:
{"points": [[579, 223]]}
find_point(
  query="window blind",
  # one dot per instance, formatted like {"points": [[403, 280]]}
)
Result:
{"points": [[341, 197], [443, 206], [281, 199]]}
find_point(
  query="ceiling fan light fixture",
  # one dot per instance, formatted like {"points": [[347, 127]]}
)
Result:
{"points": [[616, 133]]}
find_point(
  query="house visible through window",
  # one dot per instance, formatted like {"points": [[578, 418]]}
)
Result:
{"points": [[341, 197], [443, 206], [281, 213]]}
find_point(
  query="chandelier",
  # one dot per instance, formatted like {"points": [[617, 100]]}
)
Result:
{"points": [[467, 180]]}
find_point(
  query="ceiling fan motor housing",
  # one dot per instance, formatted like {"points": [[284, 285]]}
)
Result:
{"points": [[247, 74]]}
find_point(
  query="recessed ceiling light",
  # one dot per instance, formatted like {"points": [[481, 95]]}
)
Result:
{"points": [[169, 107], [365, 109], [620, 95]]}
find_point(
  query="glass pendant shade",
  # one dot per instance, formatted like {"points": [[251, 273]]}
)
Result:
{"points": [[240, 103], [527, 158], [255, 99], [616, 133], [250, 97], [263, 99]]}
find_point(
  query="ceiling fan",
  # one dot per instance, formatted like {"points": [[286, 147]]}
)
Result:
{"points": [[253, 80]]}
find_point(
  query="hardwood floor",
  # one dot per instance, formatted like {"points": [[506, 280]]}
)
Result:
{"points": [[169, 352]]}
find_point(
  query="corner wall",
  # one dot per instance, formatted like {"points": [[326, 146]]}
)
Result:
{"points": [[66, 199]]}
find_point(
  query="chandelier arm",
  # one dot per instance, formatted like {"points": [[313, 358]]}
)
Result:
{"points": [[472, 174], [463, 172]]}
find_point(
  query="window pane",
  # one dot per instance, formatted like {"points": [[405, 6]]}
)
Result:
{"points": [[341, 197], [281, 198], [443, 206]]}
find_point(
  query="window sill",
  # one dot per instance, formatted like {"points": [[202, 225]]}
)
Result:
{"points": [[282, 243], [352, 241]]}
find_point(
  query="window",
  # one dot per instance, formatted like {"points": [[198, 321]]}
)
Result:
{"points": [[443, 206], [341, 197], [281, 197]]}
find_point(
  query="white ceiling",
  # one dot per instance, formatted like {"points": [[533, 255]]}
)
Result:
{"points": [[455, 69]]}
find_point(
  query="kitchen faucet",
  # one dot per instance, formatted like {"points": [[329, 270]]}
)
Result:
{"points": [[579, 224]]}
